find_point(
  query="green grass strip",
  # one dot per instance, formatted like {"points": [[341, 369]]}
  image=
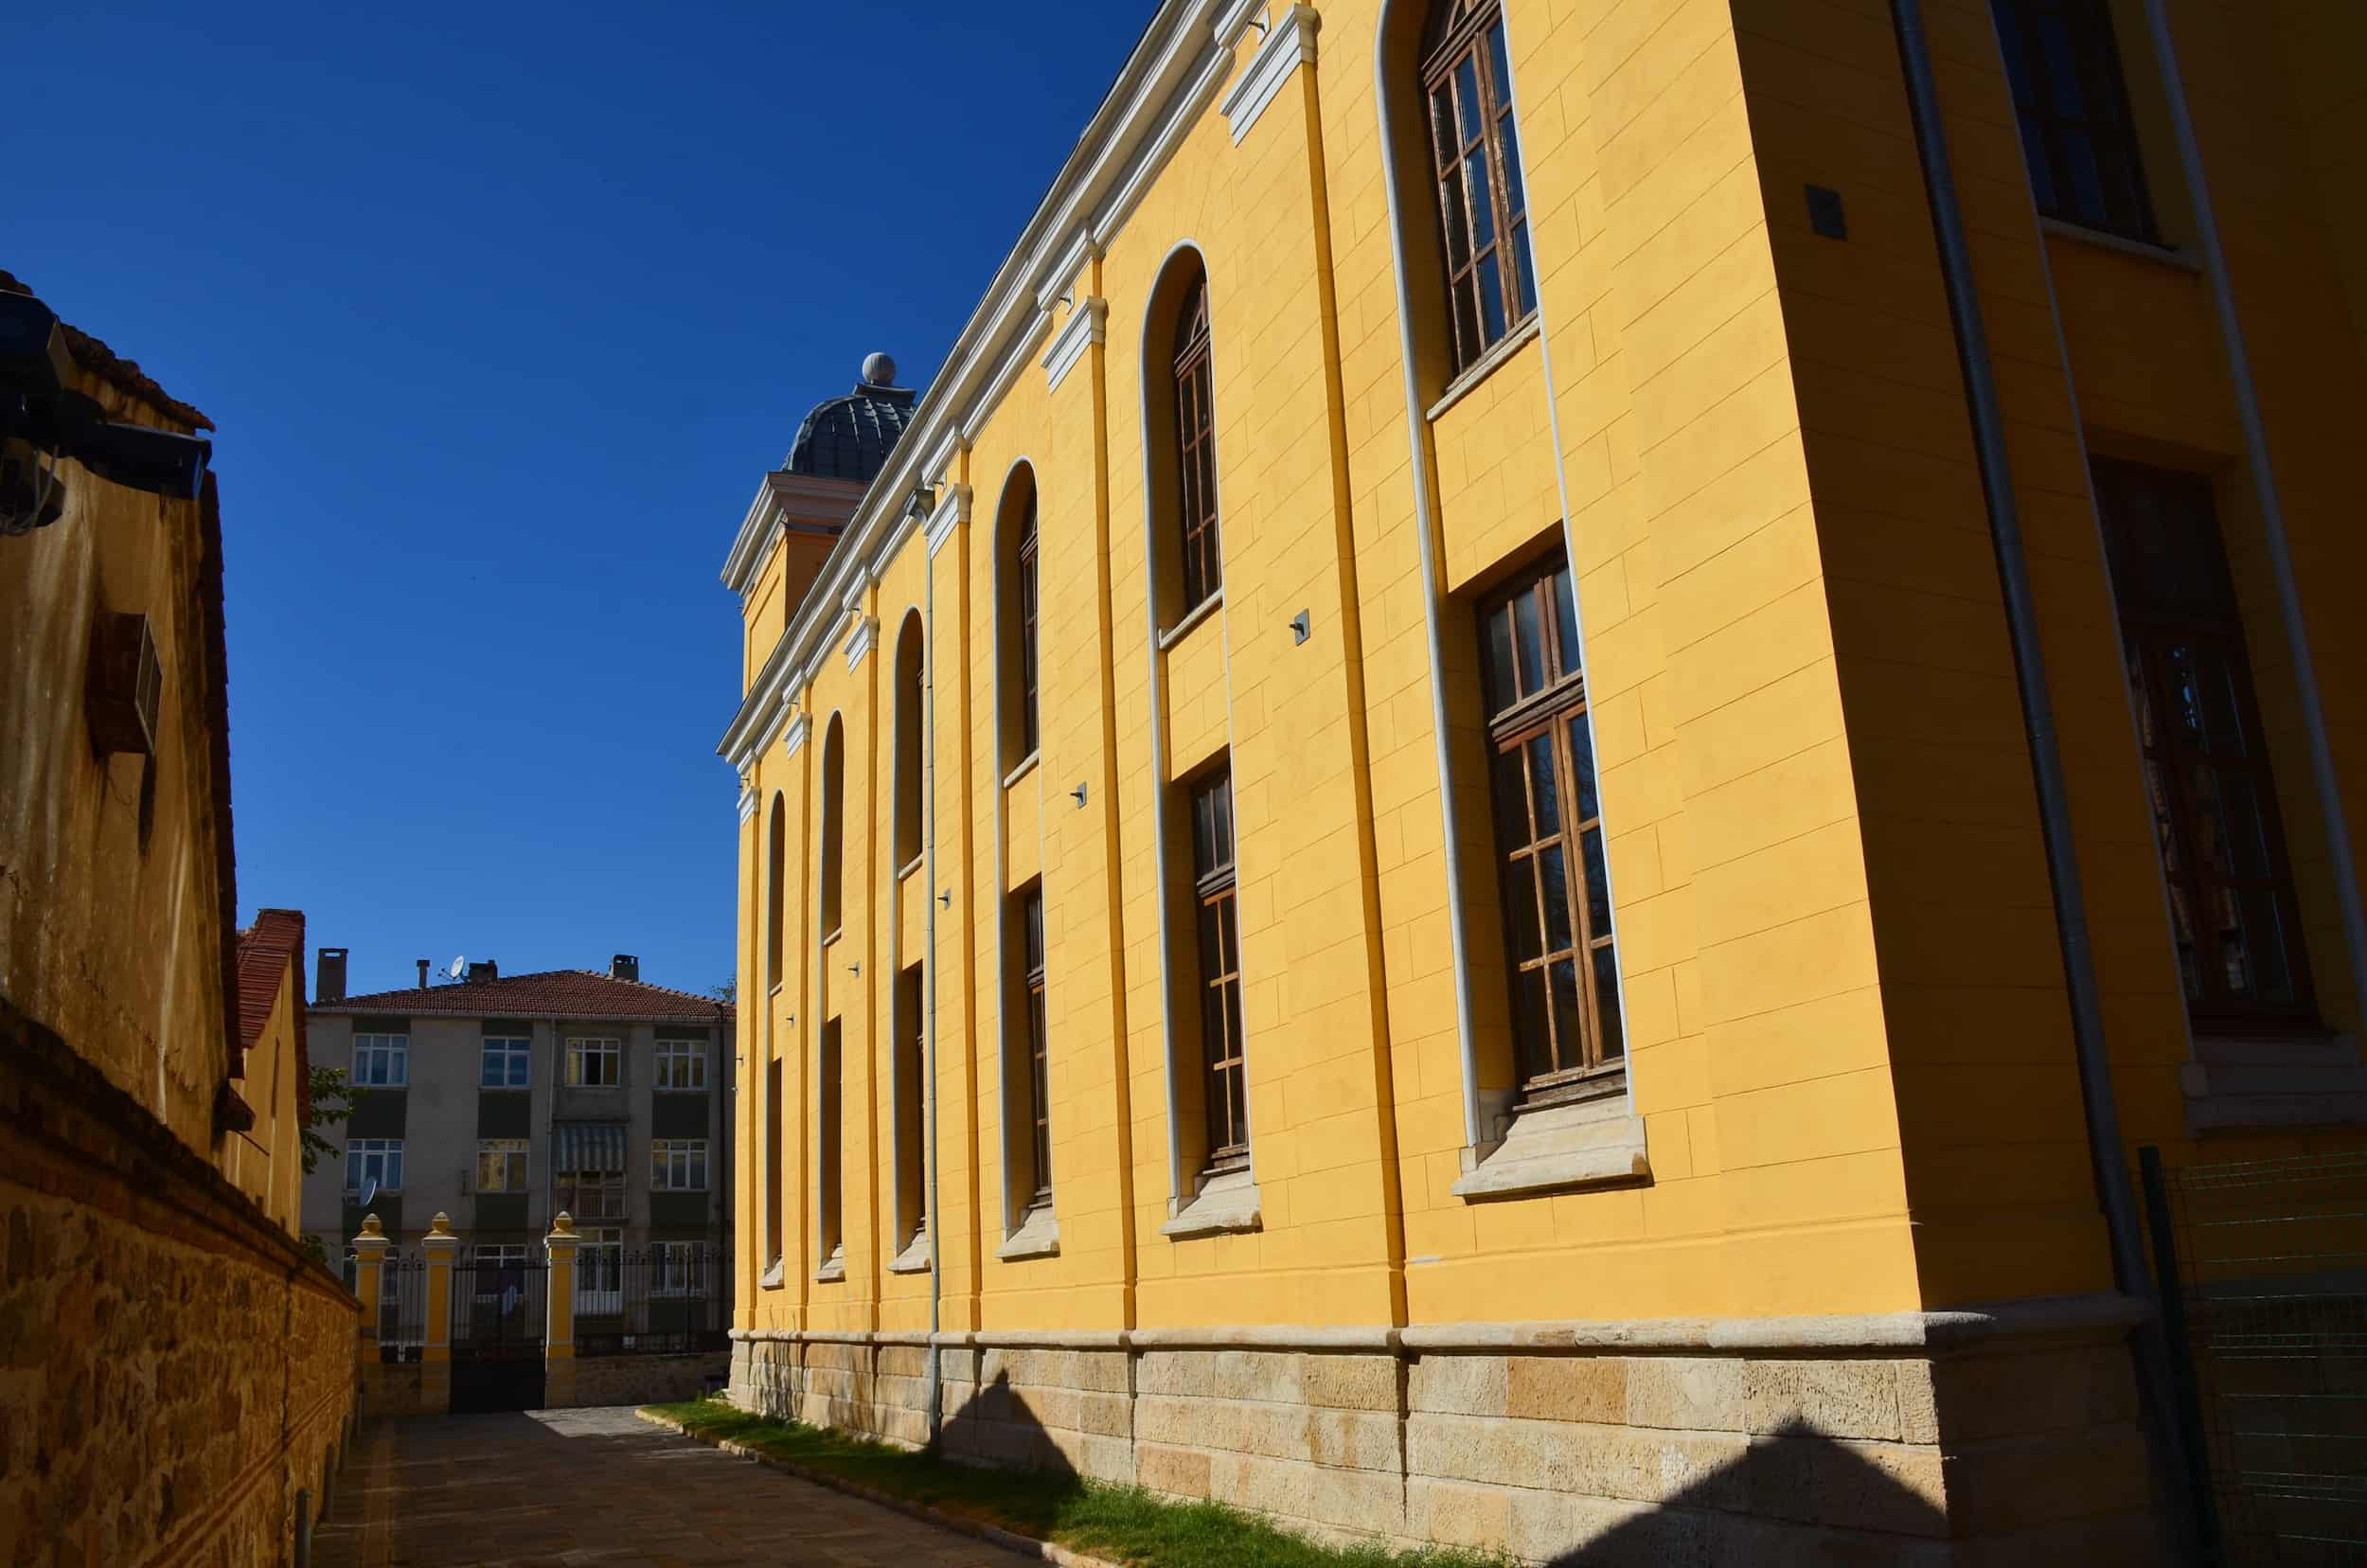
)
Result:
{"points": [[1124, 1524]]}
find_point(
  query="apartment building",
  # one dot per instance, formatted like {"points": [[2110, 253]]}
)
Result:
{"points": [[1501, 821], [504, 1100]]}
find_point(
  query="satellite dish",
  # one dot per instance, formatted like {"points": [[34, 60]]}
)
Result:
{"points": [[369, 1193], [459, 965]]}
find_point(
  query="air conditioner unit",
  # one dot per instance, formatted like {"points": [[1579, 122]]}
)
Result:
{"points": [[126, 682]]}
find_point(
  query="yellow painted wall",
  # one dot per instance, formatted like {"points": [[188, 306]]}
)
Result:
{"points": [[1848, 1042]]}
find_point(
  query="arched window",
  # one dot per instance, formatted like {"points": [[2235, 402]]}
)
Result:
{"points": [[1196, 450], [911, 1166], [908, 763], [829, 1178], [1475, 158], [775, 895], [1017, 625], [834, 824]]}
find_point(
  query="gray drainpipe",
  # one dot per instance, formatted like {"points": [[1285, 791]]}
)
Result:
{"points": [[2113, 1187], [934, 1369], [2346, 888]]}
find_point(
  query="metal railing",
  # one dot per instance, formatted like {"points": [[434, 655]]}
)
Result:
{"points": [[2262, 1269], [665, 1298], [401, 1306]]}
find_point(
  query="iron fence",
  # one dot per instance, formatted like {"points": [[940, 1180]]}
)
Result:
{"points": [[2261, 1266], [667, 1298], [401, 1306]]}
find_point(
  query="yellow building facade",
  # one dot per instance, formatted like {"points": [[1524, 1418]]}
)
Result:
{"points": [[1404, 857]]}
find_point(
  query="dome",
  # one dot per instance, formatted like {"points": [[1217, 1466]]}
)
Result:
{"points": [[850, 437]]}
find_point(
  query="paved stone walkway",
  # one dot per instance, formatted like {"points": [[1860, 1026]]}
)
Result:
{"points": [[569, 1487]]}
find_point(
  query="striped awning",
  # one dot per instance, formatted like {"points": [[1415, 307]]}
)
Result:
{"points": [[588, 1146]]}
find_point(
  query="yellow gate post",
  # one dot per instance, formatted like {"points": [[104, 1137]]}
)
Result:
{"points": [[435, 1357], [369, 1276], [559, 1335]]}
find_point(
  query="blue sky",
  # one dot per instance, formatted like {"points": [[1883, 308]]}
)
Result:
{"points": [[502, 313]]}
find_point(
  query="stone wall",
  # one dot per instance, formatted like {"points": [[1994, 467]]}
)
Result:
{"points": [[174, 1370], [1930, 1438], [645, 1379]]}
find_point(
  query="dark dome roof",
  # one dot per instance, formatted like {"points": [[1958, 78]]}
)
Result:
{"points": [[850, 437]]}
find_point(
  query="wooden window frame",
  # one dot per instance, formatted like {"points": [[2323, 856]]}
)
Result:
{"points": [[1039, 1080], [1199, 528], [1026, 593], [2188, 770], [1470, 33], [1552, 711], [1225, 1055], [2103, 129]]}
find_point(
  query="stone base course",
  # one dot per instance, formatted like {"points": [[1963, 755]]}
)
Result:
{"points": [[2019, 1444], [645, 1380]]}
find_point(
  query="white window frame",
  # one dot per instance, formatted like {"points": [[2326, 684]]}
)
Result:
{"points": [[362, 1152], [673, 1163], [391, 1052], [609, 1184], [589, 1049], [686, 1060], [600, 1272], [516, 1052], [514, 1153], [681, 1269]]}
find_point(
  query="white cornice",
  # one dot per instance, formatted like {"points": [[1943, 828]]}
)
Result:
{"points": [[739, 566], [953, 511], [798, 729], [747, 803], [758, 710], [866, 633], [1234, 20], [937, 468], [1169, 79], [1290, 44], [1063, 273], [1088, 324]]}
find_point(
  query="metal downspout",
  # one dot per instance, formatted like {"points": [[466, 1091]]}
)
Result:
{"points": [[2346, 889], [2114, 1189], [1426, 533], [932, 1381]]}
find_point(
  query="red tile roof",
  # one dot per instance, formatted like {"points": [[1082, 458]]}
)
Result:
{"points": [[104, 362], [267, 951], [563, 993]]}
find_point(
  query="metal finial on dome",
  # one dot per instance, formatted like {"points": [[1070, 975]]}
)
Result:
{"points": [[879, 370]]}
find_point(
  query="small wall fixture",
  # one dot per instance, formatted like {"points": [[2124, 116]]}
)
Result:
{"points": [[1077, 795], [945, 897], [1302, 627], [1825, 214]]}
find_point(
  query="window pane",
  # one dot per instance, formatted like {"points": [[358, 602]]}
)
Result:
{"points": [[2266, 925], [1531, 1032], [1544, 793], [2247, 837], [1444, 142], [1607, 1001], [1597, 882], [1528, 642], [1569, 1013], [1582, 770], [1467, 99], [1510, 778], [1482, 198], [1508, 167], [1497, 672], [1458, 220], [1521, 909], [1503, 66], [1491, 299], [1468, 339], [1554, 876], [1566, 622], [1523, 268]]}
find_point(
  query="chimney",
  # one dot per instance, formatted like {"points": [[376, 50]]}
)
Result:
{"points": [[482, 969], [422, 974], [624, 967], [329, 981]]}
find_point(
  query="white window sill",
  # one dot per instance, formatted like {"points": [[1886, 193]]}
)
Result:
{"points": [[1039, 1236], [1024, 766], [1225, 1205], [1183, 629], [834, 1266], [1562, 1148], [916, 1257], [1484, 366], [775, 1277], [2167, 256]]}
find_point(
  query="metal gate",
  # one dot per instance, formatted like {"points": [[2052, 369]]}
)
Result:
{"points": [[498, 1306], [2262, 1269]]}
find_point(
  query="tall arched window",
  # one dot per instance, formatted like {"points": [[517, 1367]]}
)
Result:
{"points": [[1196, 450], [908, 762], [775, 894], [1475, 157], [834, 824], [1018, 625]]}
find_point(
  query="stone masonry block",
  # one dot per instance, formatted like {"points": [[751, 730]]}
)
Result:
{"points": [[1179, 1471], [1696, 1393], [1352, 1383], [1835, 1399], [1567, 1388], [1457, 1385], [1353, 1439], [1477, 1518]]}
